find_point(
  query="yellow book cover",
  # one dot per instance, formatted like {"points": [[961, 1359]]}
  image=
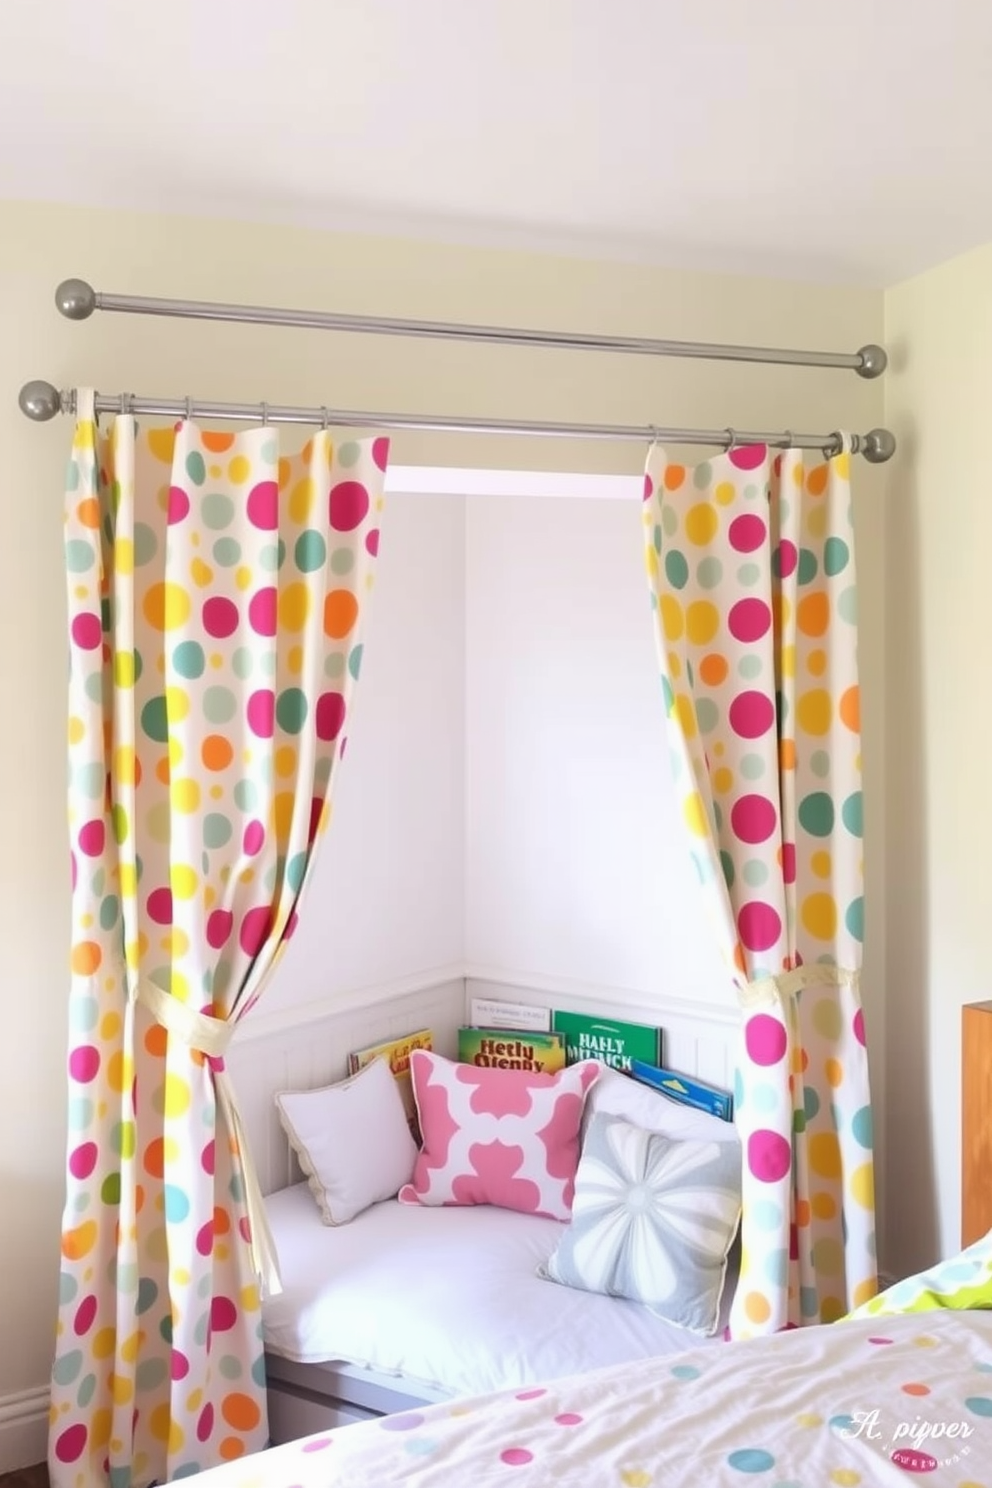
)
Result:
{"points": [[397, 1053]]}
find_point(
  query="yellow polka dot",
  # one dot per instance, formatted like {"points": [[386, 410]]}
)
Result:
{"points": [[835, 1072], [863, 1186], [651, 561], [302, 500], [184, 880], [177, 706], [827, 1018], [294, 660], [175, 751], [674, 666], [788, 661], [824, 1205], [166, 606], [128, 1350], [816, 521], [864, 1292], [723, 780], [694, 813], [702, 621], [757, 1307], [121, 1389], [672, 619], [294, 606], [819, 916], [724, 493], [177, 1097], [124, 555], [185, 795], [242, 577], [176, 942], [924, 1340], [814, 710], [110, 1025], [179, 986], [250, 1300], [701, 524], [124, 764], [103, 1343], [162, 442], [238, 469], [686, 714], [845, 1477], [832, 1309], [285, 469], [77, 730], [201, 573], [809, 1419], [824, 1154], [635, 1477], [820, 864]]}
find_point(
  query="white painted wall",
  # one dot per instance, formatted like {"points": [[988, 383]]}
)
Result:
{"points": [[939, 721], [387, 897]]}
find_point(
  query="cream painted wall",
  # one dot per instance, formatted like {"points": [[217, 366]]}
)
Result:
{"points": [[40, 245], [938, 724]]}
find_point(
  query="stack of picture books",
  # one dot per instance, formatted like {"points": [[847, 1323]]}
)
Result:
{"points": [[522, 1036], [397, 1053]]}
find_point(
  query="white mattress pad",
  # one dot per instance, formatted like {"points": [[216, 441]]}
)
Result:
{"points": [[447, 1298]]}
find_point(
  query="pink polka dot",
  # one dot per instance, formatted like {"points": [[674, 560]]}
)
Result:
{"points": [[254, 838], [769, 1156], [223, 1314], [180, 1365], [255, 929], [648, 488], [788, 557], [751, 715], [244, 1229], [754, 819], [205, 1238], [263, 612], [85, 1316], [568, 1418], [348, 505], [205, 1424], [758, 925], [207, 1157], [160, 906], [380, 452], [318, 1445], [330, 715], [764, 1039], [91, 838], [69, 1445], [747, 533], [261, 713], [220, 923], [84, 1063], [516, 1456], [87, 632], [749, 619], [178, 505], [316, 810], [859, 1027], [263, 506], [748, 456], [73, 869], [788, 862], [372, 542], [880, 1340], [531, 1394], [82, 1160], [220, 617]]}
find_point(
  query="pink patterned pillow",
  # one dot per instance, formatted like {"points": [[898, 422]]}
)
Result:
{"points": [[497, 1136]]}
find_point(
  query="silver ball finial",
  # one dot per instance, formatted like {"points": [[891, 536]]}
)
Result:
{"points": [[40, 401], [76, 299], [874, 360], [879, 446]]}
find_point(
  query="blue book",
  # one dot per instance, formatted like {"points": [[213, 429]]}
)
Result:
{"points": [[686, 1089]]}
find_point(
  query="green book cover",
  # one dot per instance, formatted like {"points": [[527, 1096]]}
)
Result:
{"points": [[511, 1048], [614, 1042]]}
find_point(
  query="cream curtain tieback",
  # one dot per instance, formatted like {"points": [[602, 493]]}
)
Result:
{"points": [[772, 989], [210, 1037]]}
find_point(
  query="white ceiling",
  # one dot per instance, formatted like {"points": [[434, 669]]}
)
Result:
{"points": [[848, 140]]}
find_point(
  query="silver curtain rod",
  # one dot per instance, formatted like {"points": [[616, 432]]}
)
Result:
{"points": [[77, 300], [41, 401]]}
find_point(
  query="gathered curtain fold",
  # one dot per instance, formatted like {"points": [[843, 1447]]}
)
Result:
{"points": [[217, 589], [750, 560]]}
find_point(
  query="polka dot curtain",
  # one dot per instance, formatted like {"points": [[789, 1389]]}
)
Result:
{"points": [[216, 592], [750, 561]]}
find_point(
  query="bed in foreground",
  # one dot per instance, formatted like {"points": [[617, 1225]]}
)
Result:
{"points": [[871, 1401]]}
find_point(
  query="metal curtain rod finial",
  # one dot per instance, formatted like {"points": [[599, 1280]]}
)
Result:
{"points": [[77, 300], [41, 401]]}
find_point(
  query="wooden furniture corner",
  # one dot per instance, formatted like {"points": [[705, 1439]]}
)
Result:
{"points": [[976, 1121]]}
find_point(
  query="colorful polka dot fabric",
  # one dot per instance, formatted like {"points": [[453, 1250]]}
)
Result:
{"points": [[750, 562], [849, 1406], [216, 590]]}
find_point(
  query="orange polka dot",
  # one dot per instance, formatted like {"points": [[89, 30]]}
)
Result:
{"points": [[674, 476], [222, 1221], [80, 1241], [850, 709], [787, 754], [713, 669], [163, 770], [915, 1389], [757, 1307], [88, 512], [816, 481], [216, 752], [240, 1411], [282, 814], [157, 1040], [802, 1213], [835, 1072], [231, 1447], [215, 442], [86, 957], [816, 663], [813, 614], [154, 1160], [340, 613]]}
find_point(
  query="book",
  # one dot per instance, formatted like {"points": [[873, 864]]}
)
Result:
{"points": [[487, 1013], [509, 1048], [614, 1042], [397, 1053], [686, 1089]]}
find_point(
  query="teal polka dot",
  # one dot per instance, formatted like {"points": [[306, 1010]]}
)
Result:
{"points": [[155, 720], [90, 780], [79, 556], [819, 763], [852, 814], [686, 1371], [835, 556], [727, 864], [751, 1460], [86, 1391], [669, 521], [216, 830], [219, 704], [776, 1267], [709, 572], [217, 511], [145, 544], [243, 662], [296, 871], [752, 766], [979, 1405], [847, 605], [150, 1374], [840, 1423], [246, 795], [707, 715], [84, 1014], [227, 552], [749, 667], [68, 1288], [342, 561], [269, 453], [854, 918], [754, 873], [748, 575], [767, 1215], [269, 558], [676, 569], [861, 1127], [291, 710], [72, 476], [310, 552], [188, 660], [231, 1367], [147, 1295], [195, 468], [355, 661], [816, 814], [65, 1369], [349, 453], [811, 1103], [701, 475], [93, 687], [807, 566]]}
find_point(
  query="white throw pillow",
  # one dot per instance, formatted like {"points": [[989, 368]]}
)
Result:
{"points": [[616, 1094], [352, 1141]]}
